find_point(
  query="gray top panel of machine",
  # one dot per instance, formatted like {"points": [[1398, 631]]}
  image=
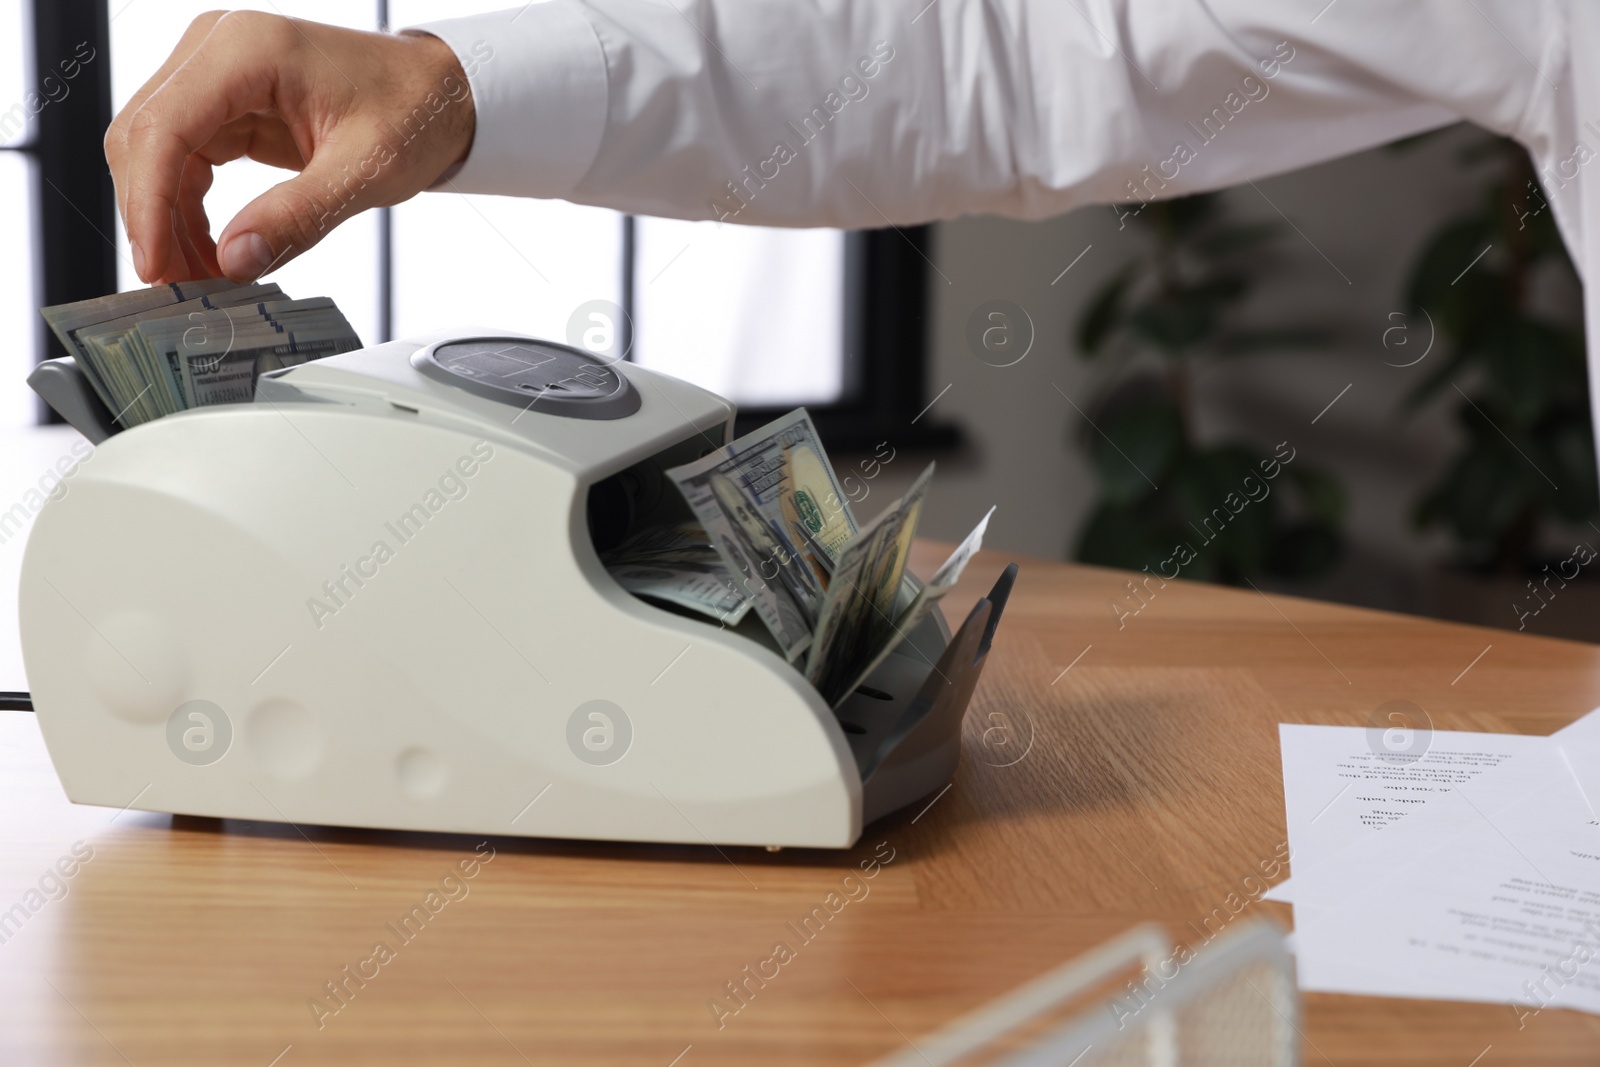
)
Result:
{"points": [[542, 376]]}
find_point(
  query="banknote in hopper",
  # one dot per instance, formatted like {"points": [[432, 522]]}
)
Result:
{"points": [[942, 581], [217, 372], [66, 320], [857, 617], [137, 389], [159, 345], [774, 510], [810, 498], [157, 351], [217, 357]]}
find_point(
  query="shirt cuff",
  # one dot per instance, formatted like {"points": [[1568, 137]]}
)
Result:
{"points": [[539, 93]]}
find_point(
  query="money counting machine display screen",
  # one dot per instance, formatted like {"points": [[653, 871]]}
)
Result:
{"points": [[540, 375]]}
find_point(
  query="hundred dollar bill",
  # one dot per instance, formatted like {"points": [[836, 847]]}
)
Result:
{"points": [[810, 499], [679, 564], [158, 345], [66, 320], [229, 375], [942, 581], [162, 345], [774, 510], [858, 615], [138, 389]]}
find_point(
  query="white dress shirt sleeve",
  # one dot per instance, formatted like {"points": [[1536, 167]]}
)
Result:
{"points": [[856, 113]]}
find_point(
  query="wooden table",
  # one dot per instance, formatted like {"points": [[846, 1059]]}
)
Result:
{"points": [[1150, 791]]}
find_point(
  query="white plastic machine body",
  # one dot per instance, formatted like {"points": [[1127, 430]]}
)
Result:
{"points": [[373, 598]]}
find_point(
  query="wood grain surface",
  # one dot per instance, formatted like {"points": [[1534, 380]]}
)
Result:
{"points": [[1115, 770]]}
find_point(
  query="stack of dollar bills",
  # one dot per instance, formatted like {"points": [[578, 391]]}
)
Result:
{"points": [[776, 535], [152, 352]]}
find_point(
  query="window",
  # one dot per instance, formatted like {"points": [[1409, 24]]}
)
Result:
{"points": [[18, 308], [701, 303], [17, 137], [769, 318], [55, 242], [17, 164]]}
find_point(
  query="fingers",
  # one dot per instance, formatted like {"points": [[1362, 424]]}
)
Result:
{"points": [[373, 155], [224, 78], [199, 249], [262, 138], [285, 93], [294, 215], [117, 134]]}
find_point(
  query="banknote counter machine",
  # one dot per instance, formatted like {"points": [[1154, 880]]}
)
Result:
{"points": [[374, 597]]}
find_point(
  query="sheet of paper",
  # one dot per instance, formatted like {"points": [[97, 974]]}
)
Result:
{"points": [[1340, 783], [1490, 892], [1580, 744]]}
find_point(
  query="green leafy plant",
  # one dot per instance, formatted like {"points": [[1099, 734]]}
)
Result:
{"points": [[1516, 371], [1220, 511]]}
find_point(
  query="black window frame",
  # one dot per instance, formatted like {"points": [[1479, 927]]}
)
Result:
{"points": [[886, 307], [75, 219]]}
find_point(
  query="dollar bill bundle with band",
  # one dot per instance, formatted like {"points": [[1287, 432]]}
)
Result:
{"points": [[152, 352]]}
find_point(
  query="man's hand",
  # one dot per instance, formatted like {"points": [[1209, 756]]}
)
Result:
{"points": [[367, 119]]}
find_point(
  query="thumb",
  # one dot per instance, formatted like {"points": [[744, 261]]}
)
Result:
{"points": [[294, 215]]}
